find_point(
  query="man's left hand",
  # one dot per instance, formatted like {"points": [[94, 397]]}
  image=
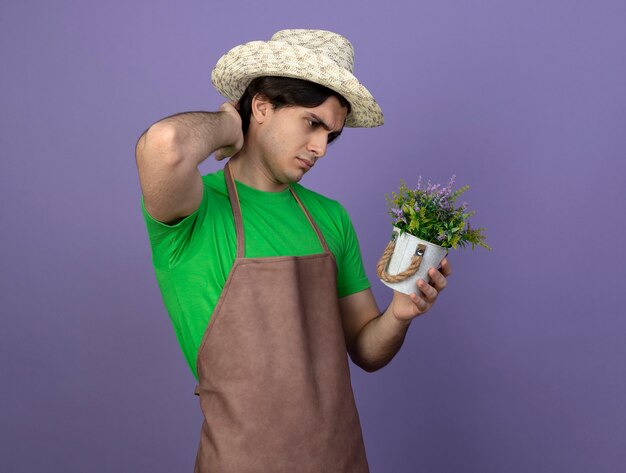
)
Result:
{"points": [[406, 308]]}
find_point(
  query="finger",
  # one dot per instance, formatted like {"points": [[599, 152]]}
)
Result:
{"points": [[446, 269], [420, 303], [227, 107], [429, 292], [438, 280]]}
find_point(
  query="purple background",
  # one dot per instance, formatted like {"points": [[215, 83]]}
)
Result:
{"points": [[519, 366]]}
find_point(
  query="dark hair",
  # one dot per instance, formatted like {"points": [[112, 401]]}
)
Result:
{"points": [[285, 92]]}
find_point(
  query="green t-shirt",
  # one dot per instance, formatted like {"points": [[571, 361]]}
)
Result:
{"points": [[192, 259]]}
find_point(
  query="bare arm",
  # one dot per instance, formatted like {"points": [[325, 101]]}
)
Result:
{"points": [[168, 155], [372, 338]]}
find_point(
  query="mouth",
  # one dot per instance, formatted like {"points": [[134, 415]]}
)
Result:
{"points": [[306, 164]]}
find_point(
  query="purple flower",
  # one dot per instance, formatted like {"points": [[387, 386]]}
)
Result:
{"points": [[446, 191], [398, 214], [432, 188], [452, 179]]}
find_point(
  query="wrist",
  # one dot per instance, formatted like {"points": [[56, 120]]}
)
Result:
{"points": [[232, 127], [394, 320]]}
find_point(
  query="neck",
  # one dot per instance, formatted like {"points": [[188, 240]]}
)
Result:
{"points": [[248, 168]]}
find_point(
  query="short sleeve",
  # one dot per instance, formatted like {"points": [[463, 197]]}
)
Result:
{"points": [[169, 242], [351, 277]]}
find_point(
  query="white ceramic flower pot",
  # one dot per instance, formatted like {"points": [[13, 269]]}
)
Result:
{"points": [[407, 246]]}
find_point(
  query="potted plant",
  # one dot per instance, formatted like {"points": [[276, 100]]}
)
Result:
{"points": [[426, 223]]}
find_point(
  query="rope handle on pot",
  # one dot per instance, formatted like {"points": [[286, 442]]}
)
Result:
{"points": [[383, 264]]}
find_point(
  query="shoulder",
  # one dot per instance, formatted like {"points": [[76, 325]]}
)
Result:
{"points": [[319, 200], [330, 213]]}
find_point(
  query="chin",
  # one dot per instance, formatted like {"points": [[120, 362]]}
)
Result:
{"points": [[299, 176], [294, 176]]}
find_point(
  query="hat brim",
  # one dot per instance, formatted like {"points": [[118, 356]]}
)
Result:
{"points": [[238, 67]]}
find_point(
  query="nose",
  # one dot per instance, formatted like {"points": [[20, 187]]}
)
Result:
{"points": [[317, 145]]}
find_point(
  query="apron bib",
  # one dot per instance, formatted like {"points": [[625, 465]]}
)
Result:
{"points": [[274, 381]]}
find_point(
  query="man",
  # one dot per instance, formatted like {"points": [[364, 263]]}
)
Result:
{"points": [[263, 278]]}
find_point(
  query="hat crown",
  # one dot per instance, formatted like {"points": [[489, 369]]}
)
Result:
{"points": [[330, 44], [318, 56]]}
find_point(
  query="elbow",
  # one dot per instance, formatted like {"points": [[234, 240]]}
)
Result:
{"points": [[370, 368], [366, 366], [158, 142]]}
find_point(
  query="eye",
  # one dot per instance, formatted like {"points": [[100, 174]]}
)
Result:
{"points": [[312, 123]]}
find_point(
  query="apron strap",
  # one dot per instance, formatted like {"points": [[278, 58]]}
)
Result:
{"points": [[234, 203], [311, 221]]}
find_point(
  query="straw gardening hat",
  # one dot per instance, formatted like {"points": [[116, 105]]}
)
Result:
{"points": [[318, 56]]}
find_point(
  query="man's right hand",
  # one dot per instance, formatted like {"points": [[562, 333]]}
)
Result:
{"points": [[229, 109]]}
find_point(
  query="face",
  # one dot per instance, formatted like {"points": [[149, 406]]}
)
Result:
{"points": [[291, 139]]}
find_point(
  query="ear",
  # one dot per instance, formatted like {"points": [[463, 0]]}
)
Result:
{"points": [[261, 108]]}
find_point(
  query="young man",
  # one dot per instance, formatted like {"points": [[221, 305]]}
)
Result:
{"points": [[263, 278]]}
